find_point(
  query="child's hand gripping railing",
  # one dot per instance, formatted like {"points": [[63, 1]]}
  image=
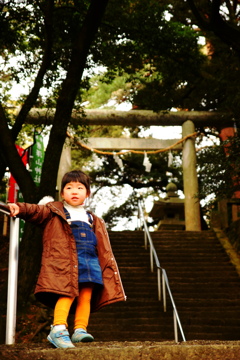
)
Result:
{"points": [[161, 275], [12, 276]]}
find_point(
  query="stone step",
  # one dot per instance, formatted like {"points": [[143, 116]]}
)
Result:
{"points": [[202, 317], [204, 284], [175, 236], [185, 235], [170, 251], [138, 350], [153, 309], [181, 265], [166, 246], [184, 271], [155, 333], [156, 236], [210, 280], [177, 293]]}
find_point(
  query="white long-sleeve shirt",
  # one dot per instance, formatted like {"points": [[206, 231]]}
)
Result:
{"points": [[77, 213]]}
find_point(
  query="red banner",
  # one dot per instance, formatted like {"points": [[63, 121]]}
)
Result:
{"points": [[13, 186]]}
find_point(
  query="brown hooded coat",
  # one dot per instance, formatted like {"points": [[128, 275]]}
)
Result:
{"points": [[59, 267]]}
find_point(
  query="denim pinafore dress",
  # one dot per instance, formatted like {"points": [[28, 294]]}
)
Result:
{"points": [[89, 269]]}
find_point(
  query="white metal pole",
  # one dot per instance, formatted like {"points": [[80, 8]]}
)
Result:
{"points": [[12, 281]]}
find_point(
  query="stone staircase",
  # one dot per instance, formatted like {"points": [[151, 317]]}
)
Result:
{"points": [[206, 291], [204, 284]]}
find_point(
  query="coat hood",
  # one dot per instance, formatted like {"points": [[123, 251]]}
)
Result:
{"points": [[45, 200]]}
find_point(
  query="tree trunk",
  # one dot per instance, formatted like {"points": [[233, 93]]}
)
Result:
{"points": [[29, 262], [31, 245], [67, 95]]}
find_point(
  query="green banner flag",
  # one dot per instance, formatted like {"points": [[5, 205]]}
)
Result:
{"points": [[37, 158]]}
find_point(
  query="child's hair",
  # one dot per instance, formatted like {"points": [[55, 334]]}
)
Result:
{"points": [[76, 176]]}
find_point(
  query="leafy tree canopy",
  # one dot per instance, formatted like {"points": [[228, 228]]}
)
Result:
{"points": [[158, 55], [156, 44], [149, 48], [168, 68]]}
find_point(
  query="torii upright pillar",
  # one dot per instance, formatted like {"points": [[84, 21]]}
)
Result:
{"points": [[190, 181]]}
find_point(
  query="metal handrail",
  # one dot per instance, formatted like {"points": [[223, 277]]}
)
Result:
{"points": [[12, 276], [161, 276]]}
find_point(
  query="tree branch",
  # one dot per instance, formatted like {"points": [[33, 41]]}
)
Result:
{"points": [[226, 32], [11, 157], [83, 39], [202, 22], [32, 97]]}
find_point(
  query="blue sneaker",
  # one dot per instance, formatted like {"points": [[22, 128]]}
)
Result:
{"points": [[60, 338], [81, 335]]}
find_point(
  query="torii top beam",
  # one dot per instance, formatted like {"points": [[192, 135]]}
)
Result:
{"points": [[138, 118]]}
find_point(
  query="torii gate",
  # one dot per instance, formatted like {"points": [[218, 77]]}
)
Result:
{"points": [[140, 117], [190, 182]]}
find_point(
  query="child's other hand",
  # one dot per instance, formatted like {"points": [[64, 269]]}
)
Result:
{"points": [[14, 209]]}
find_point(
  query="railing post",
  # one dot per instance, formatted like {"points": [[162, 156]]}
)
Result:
{"points": [[151, 258], [161, 278], [12, 281], [164, 293], [145, 240], [138, 219], [159, 283], [175, 326]]}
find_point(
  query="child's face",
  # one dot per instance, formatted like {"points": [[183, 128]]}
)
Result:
{"points": [[74, 193]]}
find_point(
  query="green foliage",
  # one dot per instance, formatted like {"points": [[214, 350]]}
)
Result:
{"points": [[217, 86], [102, 90], [116, 214], [153, 61], [166, 65], [233, 234], [219, 169], [133, 174], [162, 58], [106, 131], [3, 190], [80, 157], [13, 19], [28, 30]]}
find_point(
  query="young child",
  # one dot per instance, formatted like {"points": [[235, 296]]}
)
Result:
{"points": [[78, 270]]}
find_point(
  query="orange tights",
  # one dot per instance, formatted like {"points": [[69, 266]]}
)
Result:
{"points": [[82, 313]]}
